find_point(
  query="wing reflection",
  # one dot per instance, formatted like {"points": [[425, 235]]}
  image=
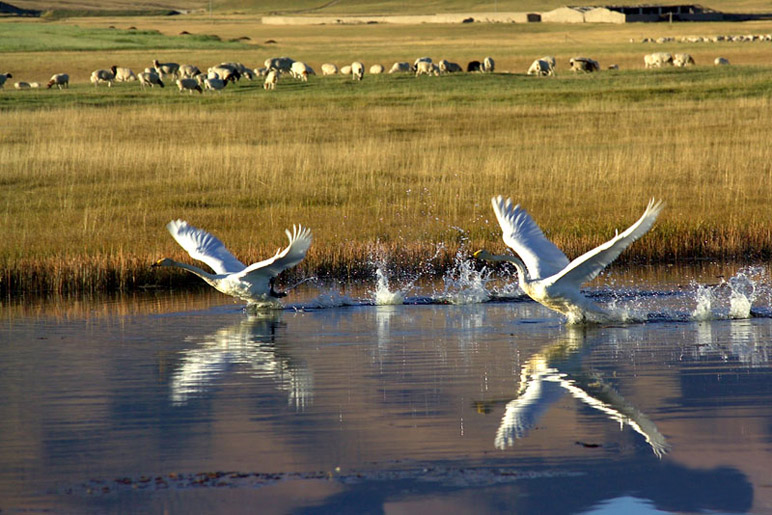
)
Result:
{"points": [[547, 375], [247, 347]]}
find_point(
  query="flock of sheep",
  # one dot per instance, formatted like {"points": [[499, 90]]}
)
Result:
{"points": [[190, 78], [744, 38]]}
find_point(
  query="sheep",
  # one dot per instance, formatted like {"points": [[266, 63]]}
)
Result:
{"points": [[215, 84], [224, 72], [166, 68], [552, 62], [488, 65], [271, 79], [34, 85], [421, 60], [4, 77], [346, 70], [150, 78], [283, 64], [22, 85], [122, 74], [376, 69], [721, 61], [583, 64], [98, 76], [188, 71], [299, 70], [541, 68], [242, 70], [60, 80], [427, 68], [357, 70], [613, 67], [329, 69], [681, 60], [474, 66], [190, 85], [449, 67], [260, 72], [657, 60], [401, 67]]}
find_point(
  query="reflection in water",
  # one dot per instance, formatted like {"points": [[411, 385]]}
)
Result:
{"points": [[741, 342], [248, 347], [557, 369]]}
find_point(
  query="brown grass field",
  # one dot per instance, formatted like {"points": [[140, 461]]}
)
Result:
{"points": [[394, 166]]}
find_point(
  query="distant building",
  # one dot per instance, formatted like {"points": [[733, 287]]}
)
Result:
{"points": [[630, 13]]}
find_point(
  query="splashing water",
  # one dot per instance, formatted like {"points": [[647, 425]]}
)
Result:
{"points": [[743, 293], [463, 284], [704, 298], [383, 296]]}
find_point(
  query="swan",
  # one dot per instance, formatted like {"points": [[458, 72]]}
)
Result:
{"points": [[253, 283], [544, 272]]}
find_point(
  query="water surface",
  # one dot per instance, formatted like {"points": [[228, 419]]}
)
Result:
{"points": [[443, 401]]}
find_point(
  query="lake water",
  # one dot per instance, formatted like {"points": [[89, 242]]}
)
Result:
{"points": [[464, 398]]}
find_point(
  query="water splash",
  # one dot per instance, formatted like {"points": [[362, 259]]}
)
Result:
{"points": [[383, 295], [704, 298], [463, 284], [744, 291]]}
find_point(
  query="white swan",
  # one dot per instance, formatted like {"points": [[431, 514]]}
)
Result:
{"points": [[544, 272], [253, 283]]}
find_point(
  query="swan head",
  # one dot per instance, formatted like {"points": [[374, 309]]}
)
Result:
{"points": [[483, 254], [164, 262]]}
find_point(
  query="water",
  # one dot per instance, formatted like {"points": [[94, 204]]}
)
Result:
{"points": [[403, 395]]}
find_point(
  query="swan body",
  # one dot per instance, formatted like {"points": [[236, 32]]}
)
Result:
{"points": [[253, 283], [545, 274]]}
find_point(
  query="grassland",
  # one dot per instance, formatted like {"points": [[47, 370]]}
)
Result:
{"points": [[394, 166]]}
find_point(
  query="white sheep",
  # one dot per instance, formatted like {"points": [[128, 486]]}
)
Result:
{"points": [[22, 85], [122, 74], [215, 84], [357, 70], [188, 71], [489, 66], [150, 78], [657, 60], [260, 72], [421, 60], [552, 62], [225, 72], [681, 60], [541, 68], [583, 64], [283, 64], [345, 70], [271, 79], [60, 80], [449, 67], [426, 68], [189, 85], [721, 61], [376, 69], [4, 77], [34, 85], [162, 69], [98, 76], [329, 69], [299, 70], [401, 67]]}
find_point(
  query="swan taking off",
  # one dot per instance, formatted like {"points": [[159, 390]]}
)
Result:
{"points": [[544, 272], [253, 283]]}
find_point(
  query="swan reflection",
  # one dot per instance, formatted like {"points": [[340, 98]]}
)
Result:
{"points": [[557, 369], [247, 347]]}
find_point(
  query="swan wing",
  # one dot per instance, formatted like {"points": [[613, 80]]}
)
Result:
{"points": [[540, 256], [587, 266], [204, 247], [299, 242]]}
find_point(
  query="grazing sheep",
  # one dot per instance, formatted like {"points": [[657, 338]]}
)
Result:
{"points": [[271, 79], [474, 66], [215, 84], [223, 72], [329, 69], [583, 64], [421, 60], [657, 60], [541, 68], [60, 80], [4, 77], [345, 70], [449, 67], [299, 70], [261, 72], [613, 66], [34, 85], [721, 61], [681, 60], [150, 78], [283, 64], [242, 70], [122, 74], [376, 69], [162, 69], [357, 70], [22, 85], [552, 62], [427, 68], [488, 65], [98, 76], [401, 67], [188, 71], [190, 85]]}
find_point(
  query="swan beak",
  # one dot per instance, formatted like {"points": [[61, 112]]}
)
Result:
{"points": [[156, 264], [476, 255]]}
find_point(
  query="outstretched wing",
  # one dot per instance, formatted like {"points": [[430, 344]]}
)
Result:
{"points": [[587, 266], [299, 242], [204, 247], [540, 256]]}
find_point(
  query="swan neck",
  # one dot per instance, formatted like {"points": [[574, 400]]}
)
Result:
{"points": [[196, 270], [522, 272]]}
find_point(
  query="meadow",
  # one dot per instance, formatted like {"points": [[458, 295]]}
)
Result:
{"points": [[395, 167]]}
